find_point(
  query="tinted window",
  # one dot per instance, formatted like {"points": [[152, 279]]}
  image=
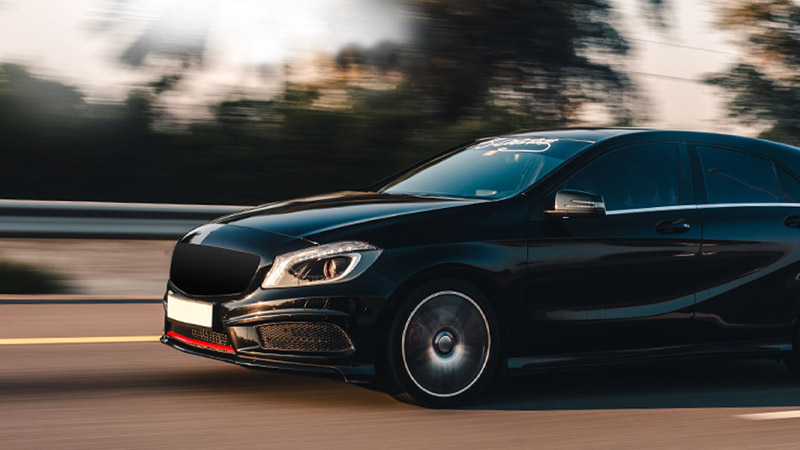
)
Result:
{"points": [[495, 168], [641, 176], [736, 177], [790, 187]]}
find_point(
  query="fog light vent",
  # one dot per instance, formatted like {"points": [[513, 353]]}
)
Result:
{"points": [[304, 337]]}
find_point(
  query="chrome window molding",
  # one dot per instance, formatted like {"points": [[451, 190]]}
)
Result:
{"points": [[703, 206], [746, 205], [653, 209]]}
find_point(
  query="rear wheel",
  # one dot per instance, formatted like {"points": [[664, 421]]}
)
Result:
{"points": [[443, 344]]}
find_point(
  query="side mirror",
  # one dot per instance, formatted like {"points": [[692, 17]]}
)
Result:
{"points": [[571, 203]]}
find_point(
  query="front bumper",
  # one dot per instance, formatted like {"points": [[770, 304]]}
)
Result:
{"points": [[357, 308], [348, 375]]}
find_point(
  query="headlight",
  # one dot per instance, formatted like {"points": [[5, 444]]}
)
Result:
{"points": [[329, 263]]}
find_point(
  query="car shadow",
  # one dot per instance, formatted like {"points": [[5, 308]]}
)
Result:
{"points": [[678, 384]]}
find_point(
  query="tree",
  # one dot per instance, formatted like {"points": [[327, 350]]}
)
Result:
{"points": [[543, 58], [764, 85], [25, 98]]}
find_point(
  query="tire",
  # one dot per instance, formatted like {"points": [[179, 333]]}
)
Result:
{"points": [[443, 344]]}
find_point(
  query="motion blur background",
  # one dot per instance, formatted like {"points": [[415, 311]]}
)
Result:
{"points": [[244, 102], [248, 101]]}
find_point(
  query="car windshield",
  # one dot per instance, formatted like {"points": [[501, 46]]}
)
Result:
{"points": [[495, 168]]}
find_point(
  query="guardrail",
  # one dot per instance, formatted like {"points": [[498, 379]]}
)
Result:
{"points": [[52, 219]]}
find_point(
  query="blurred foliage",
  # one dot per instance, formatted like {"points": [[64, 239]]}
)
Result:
{"points": [[765, 84], [22, 278], [533, 54], [475, 68], [254, 151]]}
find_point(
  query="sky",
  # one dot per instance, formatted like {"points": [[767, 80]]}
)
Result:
{"points": [[670, 63], [79, 42]]}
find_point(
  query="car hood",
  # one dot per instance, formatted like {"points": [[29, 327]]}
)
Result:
{"points": [[309, 217]]}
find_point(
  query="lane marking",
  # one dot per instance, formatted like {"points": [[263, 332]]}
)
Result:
{"points": [[77, 297], [80, 302], [79, 340], [72, 299], [794, 414]]}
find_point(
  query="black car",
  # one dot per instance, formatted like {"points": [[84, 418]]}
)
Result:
{"points": [[524, 251]]}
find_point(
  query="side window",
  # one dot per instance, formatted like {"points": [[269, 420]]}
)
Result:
{"points": [[790, 187], [641, 176], [736, 177]]}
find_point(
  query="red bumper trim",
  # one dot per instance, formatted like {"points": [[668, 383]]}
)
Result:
{"points": [[190, 341]]}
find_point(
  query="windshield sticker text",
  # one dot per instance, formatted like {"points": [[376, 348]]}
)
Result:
{"points": [[528, 144]]}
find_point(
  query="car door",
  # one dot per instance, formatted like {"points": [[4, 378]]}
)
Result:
{"points": [[751, 245], [625, 280]]}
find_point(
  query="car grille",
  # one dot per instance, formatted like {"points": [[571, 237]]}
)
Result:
{"points": [[305, 337], [204, 270]]}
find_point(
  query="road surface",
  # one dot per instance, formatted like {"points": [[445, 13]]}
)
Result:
{"points": [[142, 394]]}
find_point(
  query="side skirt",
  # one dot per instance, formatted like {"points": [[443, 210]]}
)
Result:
{"points": [[761, 349]]}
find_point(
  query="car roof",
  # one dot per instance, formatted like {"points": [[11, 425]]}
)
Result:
{"points": [[642, 134], [786, 155], [578, 133]]}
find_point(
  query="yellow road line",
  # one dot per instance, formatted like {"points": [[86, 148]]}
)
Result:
{"points": [[78, 340], [78, 297]]}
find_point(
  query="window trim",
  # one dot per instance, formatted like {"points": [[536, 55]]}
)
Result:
{"points": [[700, 207], [616, 212]]}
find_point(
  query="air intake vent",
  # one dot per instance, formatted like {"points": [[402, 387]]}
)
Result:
{"points": [[202, 334], [304, 337], [204, 270], [211, 336]]}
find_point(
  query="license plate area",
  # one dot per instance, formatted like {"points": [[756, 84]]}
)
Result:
{"points": [[189, 312]]}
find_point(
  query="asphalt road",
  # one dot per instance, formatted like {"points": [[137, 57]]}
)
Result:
{"points": [[145, 395]]}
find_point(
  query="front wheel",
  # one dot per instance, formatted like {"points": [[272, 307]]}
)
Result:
{"points": [[443, 345]]}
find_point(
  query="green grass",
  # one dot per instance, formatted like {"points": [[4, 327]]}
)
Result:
{"points": [[24, 278]]}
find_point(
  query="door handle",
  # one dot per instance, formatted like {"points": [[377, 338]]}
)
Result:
{"points": [[676, 226], [792, 222]]}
